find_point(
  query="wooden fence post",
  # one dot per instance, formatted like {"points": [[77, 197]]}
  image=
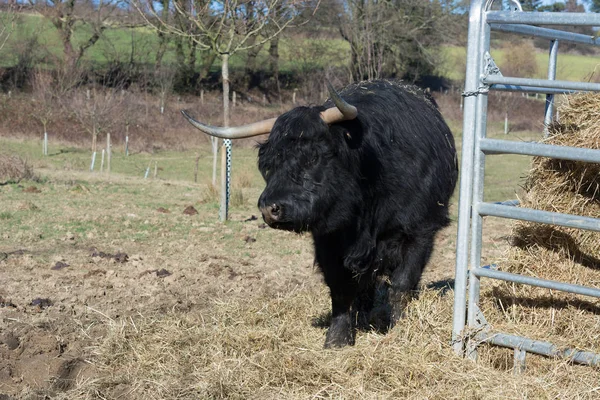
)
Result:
{"points": [[196, 168]]}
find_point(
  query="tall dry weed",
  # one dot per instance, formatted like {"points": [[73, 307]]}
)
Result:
{"points": [[14, 169]]}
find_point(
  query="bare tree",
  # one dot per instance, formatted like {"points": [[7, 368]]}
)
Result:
{"points": [[95, 16], [394, 37], [8, 22], [98, 113], [163, 78], [225, 27], [45, 101]]}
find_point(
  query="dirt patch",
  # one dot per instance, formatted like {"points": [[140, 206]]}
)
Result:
{"points": [[190, 210], [31, 189], [118, 257], [59, 265]]}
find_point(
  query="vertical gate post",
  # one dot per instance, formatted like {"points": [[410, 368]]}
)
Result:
{"points": [[470, 95], [488, 67]]}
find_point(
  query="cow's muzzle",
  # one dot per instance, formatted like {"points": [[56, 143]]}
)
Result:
{"points": [[271, 213]]}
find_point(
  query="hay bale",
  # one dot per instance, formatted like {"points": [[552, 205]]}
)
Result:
{"points": [[553, 252], [563, 186]]}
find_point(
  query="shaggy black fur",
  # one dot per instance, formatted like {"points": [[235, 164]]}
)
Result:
{"points": [[373, 192]]}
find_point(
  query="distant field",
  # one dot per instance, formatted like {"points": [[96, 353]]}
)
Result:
{"points": [[118, 44], [297, 55], [571, 67]]}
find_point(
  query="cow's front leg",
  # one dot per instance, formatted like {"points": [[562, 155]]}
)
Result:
{"points": [[341, 332], [343, 288]]}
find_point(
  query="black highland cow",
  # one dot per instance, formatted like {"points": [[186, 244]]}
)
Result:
{"points": [[370, 176]]}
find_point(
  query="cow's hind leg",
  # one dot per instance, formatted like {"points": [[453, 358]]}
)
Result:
{"points": [[415, 253]]}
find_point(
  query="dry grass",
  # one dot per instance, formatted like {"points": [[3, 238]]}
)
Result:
{"points": [[210, 194], [237, 197], [552, 252], [242, 180], [264, 348]]}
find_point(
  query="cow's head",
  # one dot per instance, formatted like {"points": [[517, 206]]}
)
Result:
{"points": [[300, 162]]}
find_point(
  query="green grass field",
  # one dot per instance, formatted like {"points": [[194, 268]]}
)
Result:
{"points": [[504, 173], [120, 44], [571, 67]]}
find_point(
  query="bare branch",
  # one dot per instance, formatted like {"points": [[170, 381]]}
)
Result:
{"points": [[8, 21]]}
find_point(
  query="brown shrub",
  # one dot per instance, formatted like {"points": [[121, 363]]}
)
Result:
{"points": [[13, 169]]}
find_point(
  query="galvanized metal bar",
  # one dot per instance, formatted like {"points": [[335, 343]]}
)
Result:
{"points": [[478, 182], [519, 365], [532, 281], [472, 83], [542, 217], [543, 18], [549, 110], [530, 89], [545, 83], [495, 146], [546, 33], [542, 348]]}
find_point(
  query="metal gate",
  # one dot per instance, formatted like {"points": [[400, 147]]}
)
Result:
{"points": [[482, 75]]}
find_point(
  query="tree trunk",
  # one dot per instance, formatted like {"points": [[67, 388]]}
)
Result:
{"points": [[274, 57], [274, 63], [225, 76], [208, 62], [250, 78], [191, 59], [252, 56], [162, 37], [162, 48]]}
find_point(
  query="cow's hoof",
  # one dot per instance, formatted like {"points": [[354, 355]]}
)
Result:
{"points": [[399, 302], [340, 333], [333, 341]]}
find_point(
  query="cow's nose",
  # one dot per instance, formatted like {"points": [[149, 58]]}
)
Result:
{"points": [[271, 213]]}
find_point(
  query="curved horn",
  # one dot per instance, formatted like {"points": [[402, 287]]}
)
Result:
{"points": [[234, 132], [342, 110]]}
